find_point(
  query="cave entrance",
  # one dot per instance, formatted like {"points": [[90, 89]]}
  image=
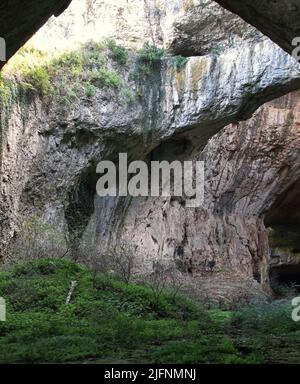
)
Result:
{"points": [[283, 223], [287, 275]]}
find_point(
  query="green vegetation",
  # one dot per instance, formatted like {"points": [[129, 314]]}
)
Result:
{"points": [[127, 95], [108, 320], [117, 52], [5, 90], [179, 62], [104, 77], [67, 77], [148, 58], [90, 90], [282, 290], [150, 54], [269, 331]]}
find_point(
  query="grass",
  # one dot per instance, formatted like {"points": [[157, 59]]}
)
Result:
{"points": [[118, 53], [110, 320], [67, 77], [269, 331]]}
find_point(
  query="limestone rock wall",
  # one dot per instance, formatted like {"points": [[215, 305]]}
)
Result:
{"points": [[50, 149], [277, 19], [49, 153], [248, 165], [191, 28]]}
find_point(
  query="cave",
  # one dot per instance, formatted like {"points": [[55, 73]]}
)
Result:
{"points": [[288, 275], [153, 279], [283, 223]]}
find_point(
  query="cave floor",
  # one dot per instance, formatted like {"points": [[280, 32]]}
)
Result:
{"points": [[109, 321]]}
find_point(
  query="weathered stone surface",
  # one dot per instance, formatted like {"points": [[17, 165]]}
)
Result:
{"points": [[49, 162], [248, 167], [213, 91], [277, 19], [191, 28], [203, 27], [49, 156]]}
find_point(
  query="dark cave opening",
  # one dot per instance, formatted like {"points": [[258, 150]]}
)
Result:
{"points": [[287, 275], [81, 205], [283, 223]]}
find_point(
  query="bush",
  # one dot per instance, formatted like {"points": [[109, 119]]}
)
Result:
{"points": [[123, 261], [283, 290], [73, 61], [150, 54], [104, 77], [179, 62], [149, 57], [117, 52], [39, 78], [5, 90], [127, 95], [65, 78], [275, 318], [90, 90]]}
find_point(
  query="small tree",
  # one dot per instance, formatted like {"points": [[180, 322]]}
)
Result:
{"points": [[166, 278], [176, 282], [123, 261]]}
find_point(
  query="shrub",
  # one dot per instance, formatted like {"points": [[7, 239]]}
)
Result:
{"points": [[179, 62], [283, 290], [123, 261], [117, 52], [67, 77], [73, 61], [149, 57], [127, 95], [104, 77], [275, 317], [39, 78], [90, 90], [150, 53], [5, 90]]}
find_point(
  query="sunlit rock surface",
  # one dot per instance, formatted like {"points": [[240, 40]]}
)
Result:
{"points": [[193, 27]]}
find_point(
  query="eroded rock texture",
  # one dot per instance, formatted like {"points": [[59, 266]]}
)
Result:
{"points": [[161, 21], [277, 19], [191, 28], [49, 153], [249, 166]]}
